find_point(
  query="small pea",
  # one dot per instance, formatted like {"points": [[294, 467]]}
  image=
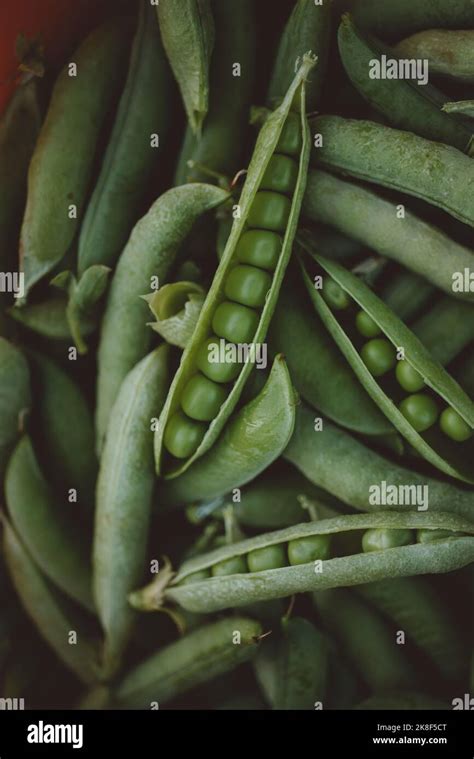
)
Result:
{"points": [[334, 295], [183, 435], [379, 356], [381, 538], [454, 426], [408, 377], [269, 210], [259, 247], [420, 410], [429, 536], [235, 323], [312, 548], [291, 140], [202, 398], [280, 175], [269, 557], [248, 285], [202, 574], [366, 325], [216, 370], [233, 566]]}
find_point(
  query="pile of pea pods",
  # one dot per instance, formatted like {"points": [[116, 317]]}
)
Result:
{"points": [[236, 361]]}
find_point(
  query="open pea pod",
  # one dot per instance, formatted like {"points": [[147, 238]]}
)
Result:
{"points": [[450, 455], [252, 211], [221, 579]]}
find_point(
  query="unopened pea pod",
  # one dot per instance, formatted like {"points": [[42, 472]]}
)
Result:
{"points": [[292, 665], [296, 560], [366, 640], [439, 174], [189, 23], [59, 176], [373, 221], [241, 299], [393, 19], [449, 53], [406, 293], [406, 103], [217, 149], [465, 107], [252, 439], [401, 700], [150, 253], [412, 604], [360, 474], [124, 498], [129, 160], [54, 619], [446, 329], [15, 398], [415, 413], [200, 656], [49, 318]]}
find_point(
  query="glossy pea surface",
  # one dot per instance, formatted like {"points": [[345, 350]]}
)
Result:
{"points": [[218, 371], [420, 410], [269, 557], [379, 539], [234, 565], [290, 140], [248, 285], [334, 295], [408, 377], [280, 175], [235, 322], [312, 548], [183, 435], [366, 326], [379, 356], [454, 426], [202, 398], [269, 210], [259, 247]]}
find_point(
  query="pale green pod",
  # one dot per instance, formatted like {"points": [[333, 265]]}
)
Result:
{"points": [[449, 53], [15, 398], [49, 318], [465, 107]]}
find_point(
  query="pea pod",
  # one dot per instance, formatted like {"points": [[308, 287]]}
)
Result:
{"points": [[15, 398], [465, 107], [403, 102], [446, 329], [189, 25], [196, 658], [434, 448], [48, 534], [124, 497], [219, 580], [59, 176], [53, 618], [373, 221], [395, 18], [436, 173], [185, 437], [449, 53], [49, 318], [218, 147], [251, 440], [128, 161], [359, 469], [150, 252]]}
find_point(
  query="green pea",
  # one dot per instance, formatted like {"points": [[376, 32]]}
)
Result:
{"points": [[366, 325], [218, 371], [248, 285], [235, 322], [280, 175], [202, 574], [420, 410], [233, 566], [259, 247], [379, 356], [312, 548], [408, 377], [429, 536], [202, 398], [183, 435], [269, 210], [334, 295], [454, 426], [269, 557], [380, 538], [290, 140]]}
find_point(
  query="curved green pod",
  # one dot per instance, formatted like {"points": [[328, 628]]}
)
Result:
{"points": [[200, 656], [436, 173], [47, 609], [446, 329], [15, 398], [149, 253], [373, 221], [449, 53], [359, 469], [251, 440], [188, 25], [130, 158], [395, 18], [265, 148], [124, 498], [63, 160], [218, 147], [465, 107], [49, 318], [208, 594], [48, 534], [403, 102], [437, 449]]}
